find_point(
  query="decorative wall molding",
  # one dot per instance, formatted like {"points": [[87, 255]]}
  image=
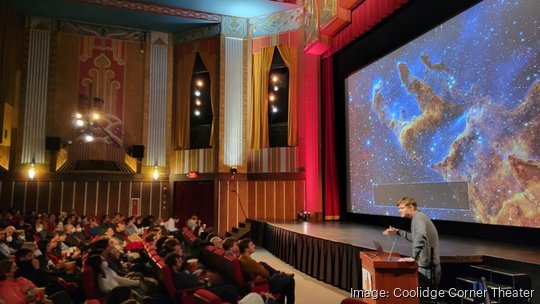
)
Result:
{"points": [[200, 160], [233, 140], [156, 9], [234, 27], [198, 34], [276, 23], [283, 159], [159, 38], [157, 121], [103, 32], [40, 23], [36, 91]]}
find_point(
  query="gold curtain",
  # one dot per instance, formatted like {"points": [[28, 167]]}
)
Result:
{"points": [[183, 97], [210, 60], [262, 61], [290, 57]]}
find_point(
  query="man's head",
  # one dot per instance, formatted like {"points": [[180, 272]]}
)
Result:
{"points": [[407, 207], [246, 246], [174, 261]]}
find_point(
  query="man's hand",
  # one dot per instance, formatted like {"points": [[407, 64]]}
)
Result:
{"points": [[407, 259], [390, 231]]}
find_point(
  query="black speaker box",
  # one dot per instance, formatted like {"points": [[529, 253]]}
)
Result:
{"points": [[53, 143], [136, 151]]}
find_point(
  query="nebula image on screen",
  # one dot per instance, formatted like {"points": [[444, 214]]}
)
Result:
{"points": [[453, 119]]}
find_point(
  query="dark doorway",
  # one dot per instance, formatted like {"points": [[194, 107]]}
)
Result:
{"points": [[194, 197]]}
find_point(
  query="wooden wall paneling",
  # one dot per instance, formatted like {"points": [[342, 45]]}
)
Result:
{"points": [[251, 202], [67, 199], [270, 203], [299, 197], [19, 197], [125, 196], [42, 199], [223, 208], [91, 188], [61, 195], [233, 204], [114, 197], [103, 197], [260, 199], [6, 191], [79, 197], [290, 200], [54, 193], [280, 199], [150, 197], [31, 196], [144, 194], [243, 198], [157, 198], [137, 191]]}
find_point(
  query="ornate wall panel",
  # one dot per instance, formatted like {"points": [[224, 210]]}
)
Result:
{"points": [[234, 27], [157, 120], [276, 23], [273, 160], [35, 103], [233, 101]]}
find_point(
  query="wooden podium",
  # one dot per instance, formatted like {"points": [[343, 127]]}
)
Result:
{"points": [[378, 274]]}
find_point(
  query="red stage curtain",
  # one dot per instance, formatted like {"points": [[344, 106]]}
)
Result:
{"points": [[194, 197], [331, 188], [363, 18]]}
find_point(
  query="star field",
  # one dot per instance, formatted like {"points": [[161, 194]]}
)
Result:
{"points": [[453, 105]]}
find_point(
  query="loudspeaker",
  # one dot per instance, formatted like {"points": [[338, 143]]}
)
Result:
{"points": [[53, 143], [136, 151]]}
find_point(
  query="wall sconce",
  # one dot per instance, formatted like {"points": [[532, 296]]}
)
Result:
{"points": [[155, 174], [32, 171]]}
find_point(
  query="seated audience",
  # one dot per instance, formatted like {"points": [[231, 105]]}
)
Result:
{"points": [[19, 290], [107, 278], [230, 245], [184, 279], [279, 282]]}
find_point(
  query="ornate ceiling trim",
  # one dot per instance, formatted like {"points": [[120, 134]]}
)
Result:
{"points": [[156, 9], [105, 32], [276, 23]]}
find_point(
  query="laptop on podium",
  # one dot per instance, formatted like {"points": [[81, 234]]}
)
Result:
{"points": [[382, 254]]}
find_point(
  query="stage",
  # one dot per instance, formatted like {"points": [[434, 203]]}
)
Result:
{"points": [[329, 251]]}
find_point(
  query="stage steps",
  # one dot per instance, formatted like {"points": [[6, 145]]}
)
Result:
{"points": [[499, 282], [241, 231]]}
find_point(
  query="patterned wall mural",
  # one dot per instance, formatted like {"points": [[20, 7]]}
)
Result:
{"points": [[101, 80]]}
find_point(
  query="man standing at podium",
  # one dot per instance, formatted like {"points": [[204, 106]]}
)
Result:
{"points": [[425, 242]]}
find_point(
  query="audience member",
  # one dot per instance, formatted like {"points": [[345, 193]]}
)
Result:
{"points": [[279, 282]]}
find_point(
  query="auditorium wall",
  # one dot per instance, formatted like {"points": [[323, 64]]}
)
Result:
{"points": [[89, 194], [269, 197]]}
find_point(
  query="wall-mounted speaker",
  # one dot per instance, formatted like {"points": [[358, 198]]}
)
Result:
{"points": [[53, 143], [135, 151]]}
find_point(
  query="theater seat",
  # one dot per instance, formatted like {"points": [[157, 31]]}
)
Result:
{"points": [[89, 286], [203, 296]]}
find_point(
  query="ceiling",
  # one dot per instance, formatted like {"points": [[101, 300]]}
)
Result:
{"points": [[157, 15]]}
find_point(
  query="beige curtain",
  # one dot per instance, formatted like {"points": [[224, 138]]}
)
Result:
{"points": [[290, 57], [262, 62], [210, 60], [184, 72]]}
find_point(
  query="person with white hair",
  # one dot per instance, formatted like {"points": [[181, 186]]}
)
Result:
{"points": [[217, 242]]}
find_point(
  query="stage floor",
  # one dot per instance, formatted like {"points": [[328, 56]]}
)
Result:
{"points": [[451, 247]]}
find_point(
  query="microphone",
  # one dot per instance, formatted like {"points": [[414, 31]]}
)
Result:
{"points": [[392, 249]]}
